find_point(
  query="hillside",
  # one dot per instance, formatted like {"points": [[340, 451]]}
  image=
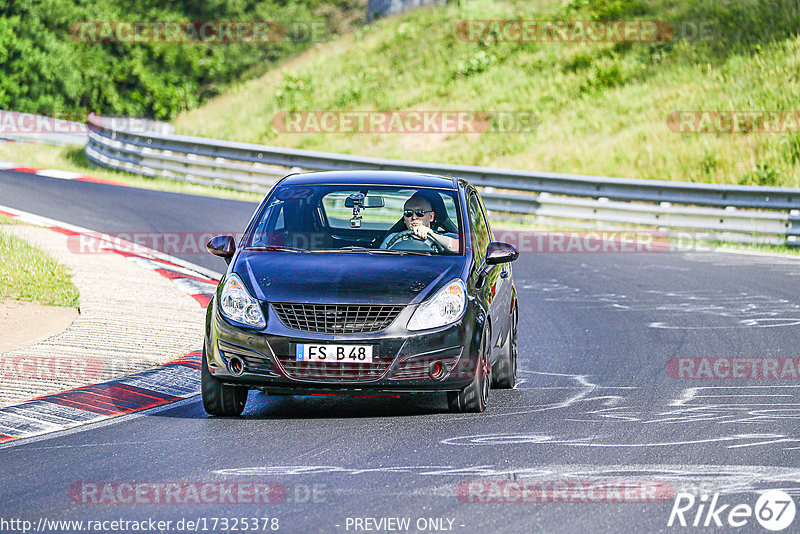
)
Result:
{"points": [[599, 107]]}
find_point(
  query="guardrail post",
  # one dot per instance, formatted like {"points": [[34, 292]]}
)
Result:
{"points": [[793, 232]]}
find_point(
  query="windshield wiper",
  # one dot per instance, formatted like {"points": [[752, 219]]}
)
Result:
{"points": [[353, 248], [401, 252], [372, 251], [276, 248], [345, 249]]}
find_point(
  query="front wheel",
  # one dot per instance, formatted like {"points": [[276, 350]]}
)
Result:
{"points": [[218, 398], [475, 396]]}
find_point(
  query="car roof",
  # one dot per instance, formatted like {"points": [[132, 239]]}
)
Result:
{"points": [[401, 178]]}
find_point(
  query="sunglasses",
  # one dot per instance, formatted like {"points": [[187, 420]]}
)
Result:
{"points": [[418, 213]]}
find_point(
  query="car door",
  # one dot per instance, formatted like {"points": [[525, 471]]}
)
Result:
{"points": [[480, 239], [503, 293]]}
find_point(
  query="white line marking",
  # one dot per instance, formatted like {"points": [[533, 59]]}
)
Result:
{"points": [[56, 173]]}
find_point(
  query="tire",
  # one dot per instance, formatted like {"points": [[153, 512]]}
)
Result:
{"points": [[474, 397], [218, 398], [504, 371]]}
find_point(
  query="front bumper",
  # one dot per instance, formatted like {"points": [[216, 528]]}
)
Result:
{"points": [[401, 359]]}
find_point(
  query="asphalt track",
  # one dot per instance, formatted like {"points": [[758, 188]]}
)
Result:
{"points": [[595, 403]]}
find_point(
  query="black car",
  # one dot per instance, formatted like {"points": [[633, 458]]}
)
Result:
{"points": [[359, 282]]}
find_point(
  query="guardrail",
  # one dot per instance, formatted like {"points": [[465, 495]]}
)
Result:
{"points": [[31, 128], [59, 130], [725, 212]]}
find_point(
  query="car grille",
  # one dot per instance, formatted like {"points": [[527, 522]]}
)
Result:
{"points": [[335, 372], [336, 318]]}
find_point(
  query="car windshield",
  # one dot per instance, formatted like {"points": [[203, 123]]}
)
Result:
{"points": [[358, 219]]}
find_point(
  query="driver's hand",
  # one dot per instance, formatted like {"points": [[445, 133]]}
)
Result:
{"points": [[421, 231]]}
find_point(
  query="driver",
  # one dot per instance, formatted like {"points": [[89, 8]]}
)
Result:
{"points": [[418, 217]]}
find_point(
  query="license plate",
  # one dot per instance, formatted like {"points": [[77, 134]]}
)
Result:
{"points": [[333, 353]]}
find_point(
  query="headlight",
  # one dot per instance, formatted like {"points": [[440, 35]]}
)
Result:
{"points": [[445, 307], [236, 304]]}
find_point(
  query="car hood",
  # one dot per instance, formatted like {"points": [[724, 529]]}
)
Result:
{"points": [[344, 277]]}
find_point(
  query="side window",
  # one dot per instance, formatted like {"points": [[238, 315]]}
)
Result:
{"points": [[489, 234], [479, 231], [271, 221]]}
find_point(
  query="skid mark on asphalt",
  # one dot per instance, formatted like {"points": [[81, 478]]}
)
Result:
{"points": [[681, 309], [783, 265], [765, 405], [727, 405], [584, 390], [494, 440], [725, 479], [723, 394]]}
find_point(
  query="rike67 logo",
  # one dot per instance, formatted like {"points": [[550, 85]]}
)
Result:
{"points": [[774, 510]]}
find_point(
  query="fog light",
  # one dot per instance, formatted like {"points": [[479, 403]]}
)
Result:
{"points": [[236, 366], [437, 370]]}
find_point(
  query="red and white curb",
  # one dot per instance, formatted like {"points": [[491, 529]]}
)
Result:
{"points": [[167, 383], [57, 173], [170, 382]]}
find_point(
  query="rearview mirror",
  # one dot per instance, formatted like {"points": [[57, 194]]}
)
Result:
{"points": [[500, 253], [371, 201], [223, 246]]}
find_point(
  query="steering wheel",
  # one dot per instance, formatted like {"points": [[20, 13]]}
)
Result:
{"points": [[407, 237]]}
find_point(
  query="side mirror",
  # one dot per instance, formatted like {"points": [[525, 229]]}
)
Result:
{"points": [[495, 253], [223, 246], [500, 253]]}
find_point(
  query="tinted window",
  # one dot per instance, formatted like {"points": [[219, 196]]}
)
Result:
{"points": [[479, 231], [322, 218]]}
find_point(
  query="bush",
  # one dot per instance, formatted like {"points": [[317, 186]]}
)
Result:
{"points": [[763, 174], [478, 63], [46, 69]]}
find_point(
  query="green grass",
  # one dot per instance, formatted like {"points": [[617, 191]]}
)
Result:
{"points": [[73, 158], [29, 274], [602, 108]]}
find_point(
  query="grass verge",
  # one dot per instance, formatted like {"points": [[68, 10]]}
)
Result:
{"points": [[29, 274]]}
